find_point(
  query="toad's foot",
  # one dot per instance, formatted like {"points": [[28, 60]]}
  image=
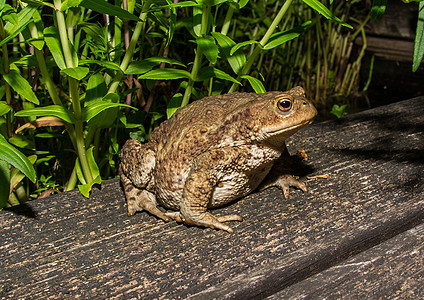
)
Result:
{"points": [[206, 219], [284, 182], [140, 199]]}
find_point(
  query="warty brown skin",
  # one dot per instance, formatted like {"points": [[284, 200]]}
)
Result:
{"points": [[213, 151]]}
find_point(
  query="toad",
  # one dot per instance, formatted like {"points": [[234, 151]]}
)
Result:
{"points": [[214, 151]]}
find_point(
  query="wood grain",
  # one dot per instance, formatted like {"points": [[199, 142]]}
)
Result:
{"points": [[66, 246]]}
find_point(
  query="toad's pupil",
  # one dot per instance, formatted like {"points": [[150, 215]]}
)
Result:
{"points": [[285, 104]]}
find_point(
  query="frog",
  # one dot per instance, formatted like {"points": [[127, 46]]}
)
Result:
{"points": [[214, 151]]}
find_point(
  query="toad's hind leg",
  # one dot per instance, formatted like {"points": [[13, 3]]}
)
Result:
{"points": [[140, 199], [193, 207]]}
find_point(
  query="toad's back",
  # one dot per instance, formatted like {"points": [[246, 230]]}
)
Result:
{"points": [[188, 134]]}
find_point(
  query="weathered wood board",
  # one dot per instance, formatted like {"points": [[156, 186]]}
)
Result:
{"points": [[66, 246]]}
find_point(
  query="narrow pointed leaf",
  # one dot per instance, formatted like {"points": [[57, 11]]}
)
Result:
{"points": [[321, 9], [4, 183], [45, 111], [145, 65], [256, 84], [21, 86], [17, 159], [77, 73], [237, 60], [282, 37], [378, 8], [242, 44], [24, 18], [419, 39], [211, 72], [165, 74], [93, 108], [104, 7], [51, 36], [208, 47]]}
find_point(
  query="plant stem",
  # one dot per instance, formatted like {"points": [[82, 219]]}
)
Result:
{"points": [[6, 70], [198, 58], [262, 43], [129, 53], [74, 93]]}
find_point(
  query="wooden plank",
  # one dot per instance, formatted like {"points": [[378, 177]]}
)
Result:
{"points": [[393, 269], [76, 247]]}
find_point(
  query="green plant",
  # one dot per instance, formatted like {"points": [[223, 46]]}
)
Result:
{"points": [[84, 67]]}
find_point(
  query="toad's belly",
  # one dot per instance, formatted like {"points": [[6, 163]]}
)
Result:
{"points": [[169, 190], [234, 186]]}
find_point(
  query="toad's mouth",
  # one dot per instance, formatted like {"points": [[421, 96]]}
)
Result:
{"points": [[289, 129]]}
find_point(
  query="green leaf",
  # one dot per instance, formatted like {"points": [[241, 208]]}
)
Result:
{"points": [[51, 110], [242, 44], [211, 72], [51, 36], [378, 8], [93, 108], [141, 67], [256, 84], [174, 104], [237, 60], [4, 183], [22, 141], [106, 118], [107, 64], [94, 31], [338, 111], [104, 7], [24, 18], [419, 39], [4, 108], [13, 156], [77, 73], [320, 8], [165, 74], [96, 87], [282, 37], [86, 187], [208, 47], [69, 4], [21, 86]]}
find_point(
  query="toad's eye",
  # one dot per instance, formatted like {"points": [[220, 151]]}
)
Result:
{"points": [[284, 104]]}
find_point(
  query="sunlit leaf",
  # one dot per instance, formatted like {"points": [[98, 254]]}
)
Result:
{"points": [[4, 183], [77, 73], [242, 44], [208, 47], [256, 84], [211, 72], [174, 104], [165, 74], [237, 60], [419, 39], [104, 7], [93, 108], [21, 86], [4, 108], [14, 157], [24, 18], [51, 110], [320, 8], [282, 37], [51, 36]]}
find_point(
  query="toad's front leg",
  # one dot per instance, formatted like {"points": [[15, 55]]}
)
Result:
{"points": [[197, 195]]}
